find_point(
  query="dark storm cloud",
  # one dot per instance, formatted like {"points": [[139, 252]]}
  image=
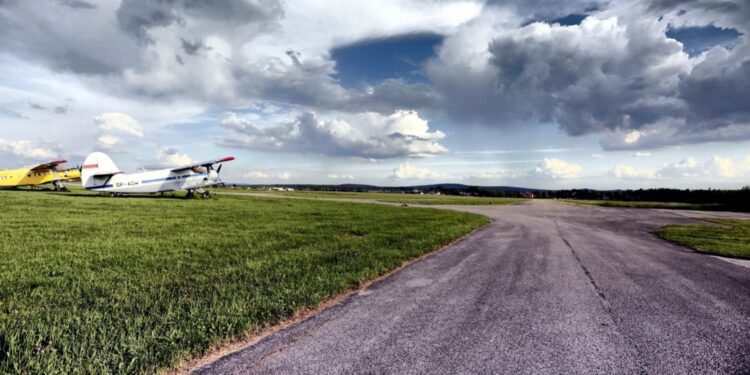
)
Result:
{"points": [[725, 13], [615, 73], [77, 4], [136, 17], [598, 76], [63, 38], [192, 48], [549, 9], [393, 94]]}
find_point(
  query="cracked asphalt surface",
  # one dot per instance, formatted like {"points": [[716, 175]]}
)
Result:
{"points": [[546, 288]]}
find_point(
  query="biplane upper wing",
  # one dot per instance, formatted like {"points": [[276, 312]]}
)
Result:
{"points": [[203, 164], [47, 166]]}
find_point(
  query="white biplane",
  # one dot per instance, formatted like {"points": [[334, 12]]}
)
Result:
{"points": [[99, 173]]}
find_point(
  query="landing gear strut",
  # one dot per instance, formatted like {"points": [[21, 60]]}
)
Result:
{"points": [[59, 186], [203, 193]]}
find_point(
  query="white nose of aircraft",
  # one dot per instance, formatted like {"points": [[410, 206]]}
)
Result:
{"points": [[213, 176]]}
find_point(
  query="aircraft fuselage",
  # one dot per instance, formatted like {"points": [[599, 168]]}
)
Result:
{"points": [[154, 181], [28, 177]]}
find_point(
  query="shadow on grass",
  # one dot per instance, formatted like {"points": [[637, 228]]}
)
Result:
{"points": [[84, 194]]}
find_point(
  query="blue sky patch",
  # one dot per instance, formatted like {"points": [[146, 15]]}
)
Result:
{"points": [[699, 39], [372, 61], [570, 19]]}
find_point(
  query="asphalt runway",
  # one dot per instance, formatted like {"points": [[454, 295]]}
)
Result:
{"points": [[546, 288]]}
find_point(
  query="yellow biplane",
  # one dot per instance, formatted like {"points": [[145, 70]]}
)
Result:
{"points": [[47, 173]]}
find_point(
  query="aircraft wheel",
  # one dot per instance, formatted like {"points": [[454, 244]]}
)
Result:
{"points": [[206, 195], [189, 194]]}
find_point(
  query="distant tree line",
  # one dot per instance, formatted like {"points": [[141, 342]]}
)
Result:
{"points": [[735, 198]]}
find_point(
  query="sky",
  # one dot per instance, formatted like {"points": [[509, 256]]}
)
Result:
{"points": [[534, 93]]}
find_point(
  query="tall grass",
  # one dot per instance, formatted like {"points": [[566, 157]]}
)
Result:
{"points": [[102, 285]]}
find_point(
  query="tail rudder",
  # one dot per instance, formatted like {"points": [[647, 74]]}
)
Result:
{"points": [[97, 164]]}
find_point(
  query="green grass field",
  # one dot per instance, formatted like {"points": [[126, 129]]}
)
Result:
{"points": [[101, 285], [730, 238], [628, 204], [425, 199]]}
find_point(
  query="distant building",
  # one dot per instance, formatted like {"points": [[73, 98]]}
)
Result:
{"points": [[527, 194]]}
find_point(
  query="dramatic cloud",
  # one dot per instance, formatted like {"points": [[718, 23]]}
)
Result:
{"points": [[614, 70], [556, 168], [227, 53], [368, 135], [138, 17], [615, 73], [609, 72], [535, 10]]}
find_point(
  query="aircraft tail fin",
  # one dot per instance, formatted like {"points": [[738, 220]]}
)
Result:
{"points": [[97, 166]]}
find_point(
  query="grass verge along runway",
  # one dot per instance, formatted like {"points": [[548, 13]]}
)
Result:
{"points": [[93, 284], [729, 237]]}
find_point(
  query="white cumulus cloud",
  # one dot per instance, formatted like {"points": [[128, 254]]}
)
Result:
{"points": [[556, 168], [334, 176], [171, 157], [255, 174], [366, 135], [628, 172], [716, 167], [115, 122], [114, 129], [409, 171], [25, 149]]}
